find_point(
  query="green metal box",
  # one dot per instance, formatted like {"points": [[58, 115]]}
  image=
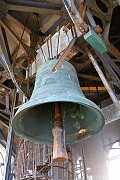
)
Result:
{"points": [[95, 41]]}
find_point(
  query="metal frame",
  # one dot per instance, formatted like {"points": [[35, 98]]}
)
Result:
{"points": [[9, 145], [104, 80]]}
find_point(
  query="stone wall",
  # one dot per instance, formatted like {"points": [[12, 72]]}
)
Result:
{"points": [[96, 150]]}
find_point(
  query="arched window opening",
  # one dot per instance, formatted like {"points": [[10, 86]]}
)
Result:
{"points": [[114, 162], [79, 171]]}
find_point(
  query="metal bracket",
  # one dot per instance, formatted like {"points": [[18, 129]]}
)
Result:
{"points": [[61, 60]]}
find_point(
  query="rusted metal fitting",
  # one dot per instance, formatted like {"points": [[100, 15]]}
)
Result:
{"points": [[98, 29], [65, 29], [69, 25], [84, 26]]}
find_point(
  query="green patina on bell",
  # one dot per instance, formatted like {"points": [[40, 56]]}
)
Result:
{"points": [[81, 117]]}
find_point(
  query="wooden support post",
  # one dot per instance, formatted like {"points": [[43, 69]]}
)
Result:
{"points": [[59, 146]]}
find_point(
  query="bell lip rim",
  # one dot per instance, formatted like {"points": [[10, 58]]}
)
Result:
{"points": [[45, 101], [96, 108], [51, 143]]}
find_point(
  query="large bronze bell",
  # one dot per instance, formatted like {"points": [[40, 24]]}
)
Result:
{"points": [[57, 101]]}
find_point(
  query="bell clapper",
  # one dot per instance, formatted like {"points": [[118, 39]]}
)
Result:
{"points": [[59, 146]]}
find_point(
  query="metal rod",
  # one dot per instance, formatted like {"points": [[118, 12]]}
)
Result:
{"points": [[75, 16], [51, 47], [111, 62], [47, 42], [115, 78], [9, 69], [61, 60], [83, 158], [103, 78], [42, 55], [57, 41]]}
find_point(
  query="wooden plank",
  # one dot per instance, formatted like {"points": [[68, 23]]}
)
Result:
{"points": [[22, 80], [101, 88], [85, 76]]}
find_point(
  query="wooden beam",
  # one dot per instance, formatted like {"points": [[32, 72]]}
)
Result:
{"points": [[85, 76], [6, 44], [101, 88], [5, 117], [38, 4], [10, 32], [45, 19], [4, 50], [18, 23], [4, 124], [80, 66], [21, 80], [22, 57], [28, 28], [54, 26], [33, 9], [24, 22], [2, 101], [15, 52], [2, 132], [5, 87]]}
